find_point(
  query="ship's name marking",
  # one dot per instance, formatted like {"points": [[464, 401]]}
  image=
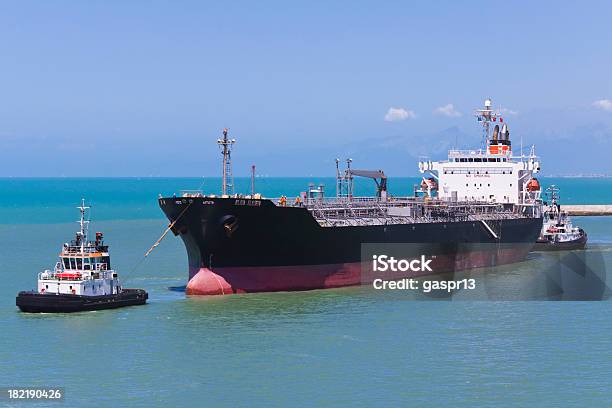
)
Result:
{"points": [[252, 203]]}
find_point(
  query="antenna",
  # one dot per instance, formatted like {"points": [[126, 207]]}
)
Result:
{"points": [[486, 116], [227, 183], [84, 224]]}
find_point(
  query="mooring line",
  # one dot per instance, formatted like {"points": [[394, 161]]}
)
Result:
{"points": [[155, 245]]}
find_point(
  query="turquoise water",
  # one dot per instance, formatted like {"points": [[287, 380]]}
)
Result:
{"points": [[25, 200], [345, 347]]}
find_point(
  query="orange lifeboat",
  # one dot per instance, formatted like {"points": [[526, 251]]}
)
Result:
{"points": [[533, 185]]}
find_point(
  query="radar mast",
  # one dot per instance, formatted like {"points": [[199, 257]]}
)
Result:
{"points": [[84, 224], [485, 116], [227, 183]]}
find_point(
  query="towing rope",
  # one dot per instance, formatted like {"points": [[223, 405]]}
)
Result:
{"points": [[159, 240], [165, 232]]}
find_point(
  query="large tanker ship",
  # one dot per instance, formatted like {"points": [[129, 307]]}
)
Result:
{"points": [[483, 214]]}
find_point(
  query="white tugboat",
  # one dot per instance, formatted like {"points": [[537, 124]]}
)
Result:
{"points": [[81, 280], [558, 232]]}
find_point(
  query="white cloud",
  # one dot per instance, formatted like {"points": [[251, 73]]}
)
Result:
{"points": [[506, 111], [448, 110], [605, 104], [399, 114]]}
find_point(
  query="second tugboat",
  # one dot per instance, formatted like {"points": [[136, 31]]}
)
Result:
{"points": [[82, 280], [558, 233]]}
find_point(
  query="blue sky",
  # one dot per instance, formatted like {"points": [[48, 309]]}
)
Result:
{"points": [[144, 88]]}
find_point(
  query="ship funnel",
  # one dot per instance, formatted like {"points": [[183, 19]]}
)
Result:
{"points": [[496, 133], [505, 132]]}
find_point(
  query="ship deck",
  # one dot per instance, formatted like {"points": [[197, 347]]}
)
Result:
{"points": [[356, 211], [334, 212]]}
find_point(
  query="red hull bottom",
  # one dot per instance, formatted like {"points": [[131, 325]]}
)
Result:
{"points": [[230, 280]]}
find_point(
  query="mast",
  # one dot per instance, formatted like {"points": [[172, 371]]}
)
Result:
{"points": [[338, 179], [486, 116], [349, 186], [84, 224], [227, 184], [252, 180]]}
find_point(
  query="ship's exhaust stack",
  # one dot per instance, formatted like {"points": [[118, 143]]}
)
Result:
{"points": [[505, 132]]}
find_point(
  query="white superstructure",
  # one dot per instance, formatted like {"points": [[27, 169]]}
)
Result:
{"points": [[490, 174], [84, 267]]}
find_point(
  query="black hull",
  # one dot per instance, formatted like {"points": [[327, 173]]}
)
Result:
{"points": [[34, 302], [254, 245], [545, 245]]}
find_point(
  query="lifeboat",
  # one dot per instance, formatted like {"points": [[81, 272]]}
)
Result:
{"points": [[533, 185]]}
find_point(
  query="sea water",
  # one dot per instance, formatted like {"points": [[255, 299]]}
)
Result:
{"points": [[340, 347]]}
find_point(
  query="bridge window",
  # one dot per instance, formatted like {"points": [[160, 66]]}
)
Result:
{"points": [[72, 263], [106, 261], [470, 159], [79, 262], [66, 263]]}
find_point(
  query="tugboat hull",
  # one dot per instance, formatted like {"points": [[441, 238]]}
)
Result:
{"points": [[34, 302], [546, 245]]}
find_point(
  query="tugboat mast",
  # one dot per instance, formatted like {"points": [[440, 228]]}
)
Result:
{"points": [[84, 224], [227, 184]]}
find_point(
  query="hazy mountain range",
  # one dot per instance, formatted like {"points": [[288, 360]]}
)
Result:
{"points": [[569, 142]]}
